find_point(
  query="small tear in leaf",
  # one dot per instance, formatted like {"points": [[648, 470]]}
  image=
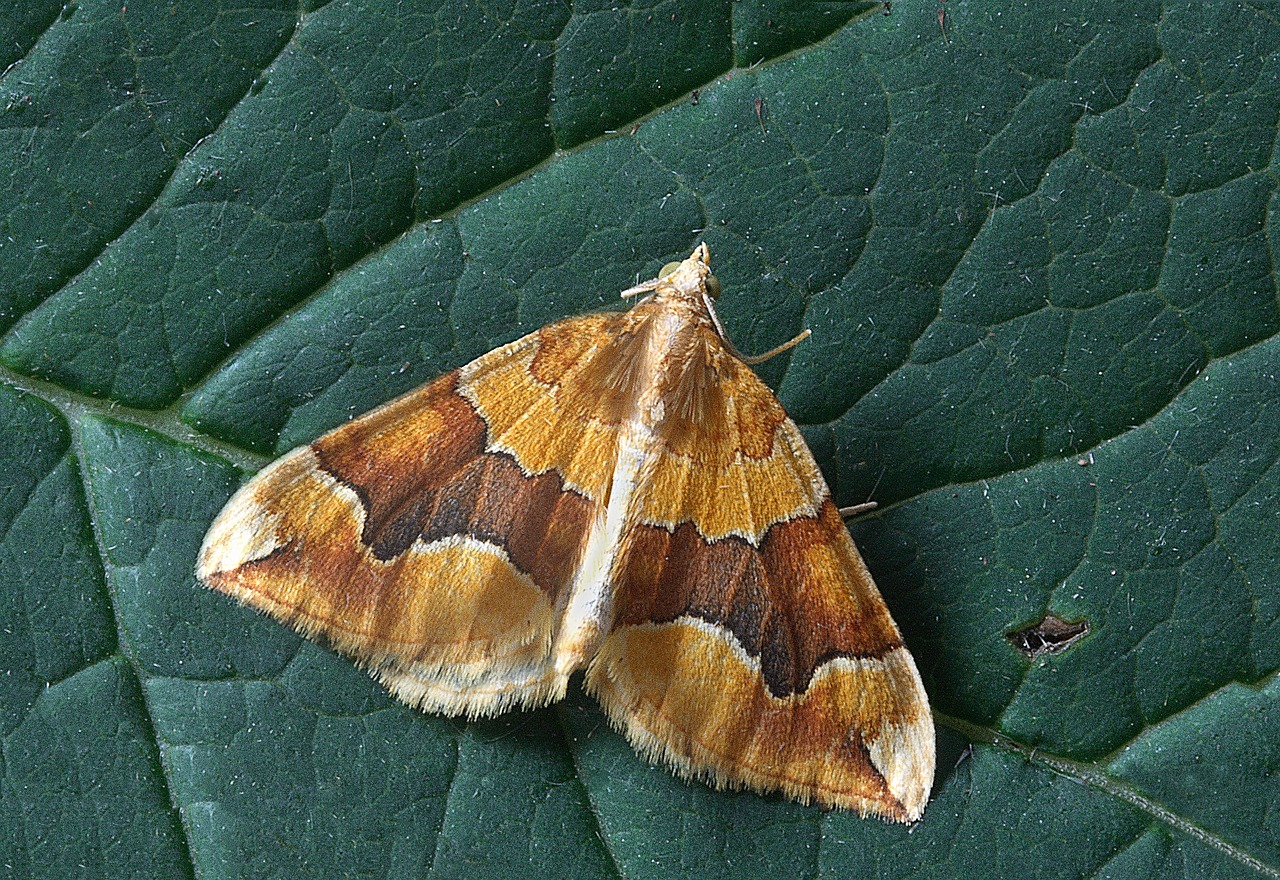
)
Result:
{"points": [[1052, 635]]}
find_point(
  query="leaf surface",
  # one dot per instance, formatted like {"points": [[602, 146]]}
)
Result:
{"points": [[1034, 246]]}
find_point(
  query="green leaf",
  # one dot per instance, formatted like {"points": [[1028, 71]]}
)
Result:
{"points": [[1034, 246]]}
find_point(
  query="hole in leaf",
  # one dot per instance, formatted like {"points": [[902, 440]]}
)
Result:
{"points": [[1052, 635]]}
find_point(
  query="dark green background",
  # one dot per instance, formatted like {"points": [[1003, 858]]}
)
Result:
{"points": [[1036, 251]]}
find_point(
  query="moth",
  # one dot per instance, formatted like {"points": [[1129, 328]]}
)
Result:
{"points": [[616, 493]]}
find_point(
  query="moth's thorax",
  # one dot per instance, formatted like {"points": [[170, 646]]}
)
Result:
{"points": [[680, 350]]}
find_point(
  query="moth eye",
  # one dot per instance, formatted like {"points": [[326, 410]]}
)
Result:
{"points": [[668, 269], [713, 287]]}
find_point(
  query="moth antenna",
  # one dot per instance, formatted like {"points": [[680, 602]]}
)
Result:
{"points": [[733, 349], [856, 509], [646, 287]]}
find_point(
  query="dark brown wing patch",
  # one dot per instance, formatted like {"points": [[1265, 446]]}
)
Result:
{"points": [[800, 599]]}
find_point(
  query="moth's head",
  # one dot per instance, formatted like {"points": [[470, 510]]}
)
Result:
{"points": [[687, 279], [692, 276]]}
